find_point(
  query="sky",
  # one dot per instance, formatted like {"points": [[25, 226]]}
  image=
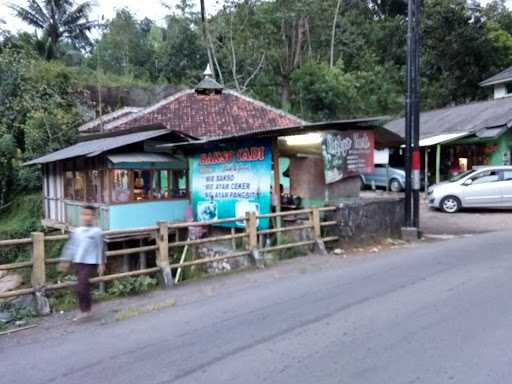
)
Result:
{"points": [[152, 9]]}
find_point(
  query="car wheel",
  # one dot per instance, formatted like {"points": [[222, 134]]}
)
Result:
{"points": [[450, 204], [363, 184], [395, 186]]}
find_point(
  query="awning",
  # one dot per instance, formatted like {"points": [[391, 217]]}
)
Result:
{"points": [[95, 147], [442, 139], [383, 137], [491, 133], [139, 157], [145, 160]]}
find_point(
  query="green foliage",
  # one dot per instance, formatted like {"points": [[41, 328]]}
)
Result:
{"points": [[17, 221], [325, 93], [126, 47], [59, 21], [131, 286], [62, 301], [17, 312]]}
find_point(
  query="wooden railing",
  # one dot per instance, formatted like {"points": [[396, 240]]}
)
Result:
{"points": [[253, 247]]}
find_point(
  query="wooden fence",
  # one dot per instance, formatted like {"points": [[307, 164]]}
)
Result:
{"points": [[313, 223]]}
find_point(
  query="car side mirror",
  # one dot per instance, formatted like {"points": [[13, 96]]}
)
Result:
{"points": [[468, 182]]}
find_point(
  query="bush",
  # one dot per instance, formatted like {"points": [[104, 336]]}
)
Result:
{"points": [[131, 286]]}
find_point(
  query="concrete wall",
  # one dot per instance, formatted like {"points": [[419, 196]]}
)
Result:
{"points": [[368, 220], [307, 180], [503, 146], [500, 91]]}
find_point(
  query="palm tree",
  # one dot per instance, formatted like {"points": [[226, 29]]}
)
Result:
{"points": [[59, 20]]}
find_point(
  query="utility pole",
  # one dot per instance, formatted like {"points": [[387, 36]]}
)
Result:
{"points": [[204, 23], [411, 228]]}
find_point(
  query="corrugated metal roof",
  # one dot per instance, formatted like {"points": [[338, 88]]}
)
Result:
{"points": [[469, 118], [97, 146], [442, 139], [492, 133], [501, 77], [136, 157]]}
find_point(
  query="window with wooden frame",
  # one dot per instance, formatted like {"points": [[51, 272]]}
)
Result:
{"points": [[130, 185], [160, 184], [179, 183], [121, 185]]}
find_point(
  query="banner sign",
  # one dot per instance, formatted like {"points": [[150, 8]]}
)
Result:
{"points": [[229, 181], [348, 153]]}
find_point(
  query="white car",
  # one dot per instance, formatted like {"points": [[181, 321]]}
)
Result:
{"points": [[485, 187]]}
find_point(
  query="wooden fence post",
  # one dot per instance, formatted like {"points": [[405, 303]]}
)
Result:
{"points": [[38, 277], [251, 227], [163, 254], [317, 230]]}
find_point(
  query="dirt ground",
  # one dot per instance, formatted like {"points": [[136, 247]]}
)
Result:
{"points": [[465, 222]]}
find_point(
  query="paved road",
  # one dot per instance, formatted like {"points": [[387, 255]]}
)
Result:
{"points": [[465, 222], [435, 313]]}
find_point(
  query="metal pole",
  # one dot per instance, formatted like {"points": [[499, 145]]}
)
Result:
{"points": [[408, 118], [416, 117]]}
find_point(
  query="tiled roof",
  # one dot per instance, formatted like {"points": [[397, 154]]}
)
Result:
{"points": [[466, 118], [501, 77], [205, 116]]}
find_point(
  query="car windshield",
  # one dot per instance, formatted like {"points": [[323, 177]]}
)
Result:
{"points": [[462, 175]]}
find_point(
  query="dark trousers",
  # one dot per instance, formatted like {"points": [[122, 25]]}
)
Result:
{"points": [[83, 288]]}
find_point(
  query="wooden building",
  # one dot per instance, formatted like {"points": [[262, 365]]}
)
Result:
{"points": [[137, 165]]}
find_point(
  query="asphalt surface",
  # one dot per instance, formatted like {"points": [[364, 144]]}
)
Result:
{"points": [[434, 313]]}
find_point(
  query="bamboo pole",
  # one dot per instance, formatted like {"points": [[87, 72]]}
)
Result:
{"points": [[207, 240], [122, 252], [251, 228], [328, 223], [211, 259], [315, 221], [182, 260], [286, 213], [163, 254], [13, 242], [277, 184], [285, 229], [38, 277], [13, 266], [205, 223]]}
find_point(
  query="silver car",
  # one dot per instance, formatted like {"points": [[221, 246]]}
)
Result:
{"points": [[484, 187], [380, 176]]}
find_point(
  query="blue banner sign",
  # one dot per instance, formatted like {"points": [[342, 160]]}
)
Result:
{"points": [[231, 180]]}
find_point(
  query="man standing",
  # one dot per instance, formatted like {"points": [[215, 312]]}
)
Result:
{"points": [[85, 251]]}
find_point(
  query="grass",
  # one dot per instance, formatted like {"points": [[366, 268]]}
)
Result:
{"points": [[22, 217], [17, 221]]}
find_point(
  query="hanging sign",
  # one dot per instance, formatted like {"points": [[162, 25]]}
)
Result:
{"points": [[348, 153], [230, 181]]}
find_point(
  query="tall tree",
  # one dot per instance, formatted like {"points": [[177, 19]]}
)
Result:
{"points": [[58, 20]]}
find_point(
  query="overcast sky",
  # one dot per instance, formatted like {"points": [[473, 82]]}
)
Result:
{"points": [[142, 8]]}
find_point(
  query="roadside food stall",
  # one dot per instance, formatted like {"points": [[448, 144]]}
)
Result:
{"points": [[232, 175]]}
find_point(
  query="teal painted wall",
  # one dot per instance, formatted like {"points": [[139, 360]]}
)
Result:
{"points": [[73, 215], [503, 144], [146, 214]]}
